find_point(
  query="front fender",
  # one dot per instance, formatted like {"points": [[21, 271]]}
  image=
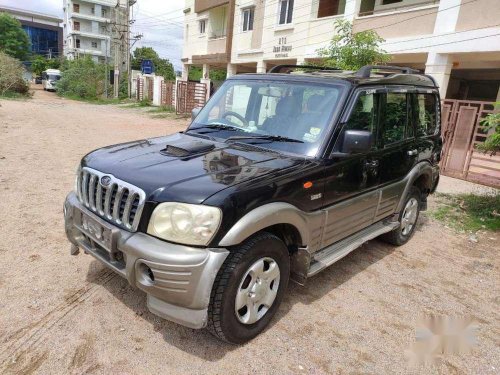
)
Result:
{"points": [[308, 225]]}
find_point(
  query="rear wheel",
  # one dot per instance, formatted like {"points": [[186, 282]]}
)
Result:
{"points": [[408, 219], [249, 288]]}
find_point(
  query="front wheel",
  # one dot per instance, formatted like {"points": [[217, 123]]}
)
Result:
{"points": [[249, 288], [408, 220]]}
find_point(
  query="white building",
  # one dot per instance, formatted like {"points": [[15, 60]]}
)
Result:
{"points": [[457, 41], [91, 27]]}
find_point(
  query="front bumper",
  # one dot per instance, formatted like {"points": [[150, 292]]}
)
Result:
{"points": [[178, 279]]}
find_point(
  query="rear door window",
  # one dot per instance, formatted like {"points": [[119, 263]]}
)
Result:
{"points": [[426, 114], [395, 118]]}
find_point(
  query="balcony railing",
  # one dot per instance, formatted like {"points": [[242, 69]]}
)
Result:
{"points": [[397, 7]]}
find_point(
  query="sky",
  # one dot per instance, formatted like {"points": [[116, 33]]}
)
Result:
{"points": [[160, 22]]}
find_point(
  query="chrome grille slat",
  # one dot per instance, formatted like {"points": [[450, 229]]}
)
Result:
{"points": [[107, 202], [119, 202], [116, 208], [126, 210], [92, 182], [85, 185], [98, 199]]}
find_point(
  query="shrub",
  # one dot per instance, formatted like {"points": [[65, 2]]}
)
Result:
{"points": [[83, 78], [492, 125], [11, 76]]}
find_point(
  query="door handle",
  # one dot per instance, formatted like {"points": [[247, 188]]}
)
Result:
{"points": [[373, 163], [412, 152]]}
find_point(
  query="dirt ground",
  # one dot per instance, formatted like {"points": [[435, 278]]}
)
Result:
{"points": [[61, 314]]}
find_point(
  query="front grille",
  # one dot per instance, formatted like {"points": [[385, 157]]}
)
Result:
{"points": [[117, 201]]}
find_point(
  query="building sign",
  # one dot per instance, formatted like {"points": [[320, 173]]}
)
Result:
{"points": [[282, 49]]}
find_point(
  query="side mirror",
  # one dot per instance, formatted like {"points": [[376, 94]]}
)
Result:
{"points": [[357, 141], [195, 113]]}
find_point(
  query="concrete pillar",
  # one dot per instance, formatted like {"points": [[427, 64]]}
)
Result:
{"points": [[261, 67], [185, 72], [206, 71], [439, 66], [447, 16], [231, 70], [157, 80], [351, 9]]}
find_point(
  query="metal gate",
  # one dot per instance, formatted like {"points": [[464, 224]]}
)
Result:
{"points": [[150, 84], [168, 93], [462, 131], [140, 89], [190, 95]]}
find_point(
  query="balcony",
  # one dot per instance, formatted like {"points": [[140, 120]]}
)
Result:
{"points": [[375, 7], [216, 45], [203, 5], [406, 18], [90, 17], [89, 34]]}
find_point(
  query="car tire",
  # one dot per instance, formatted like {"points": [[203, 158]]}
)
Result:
{"points": [[240, 281], [408, 219]]}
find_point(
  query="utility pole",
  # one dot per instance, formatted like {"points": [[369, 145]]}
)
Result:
{"points": [[116, 57], [127, 50], [106, 69]]}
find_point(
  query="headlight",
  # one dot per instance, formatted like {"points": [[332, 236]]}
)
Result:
{"points": [[189, 224]]}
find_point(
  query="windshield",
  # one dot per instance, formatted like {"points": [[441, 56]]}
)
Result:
{"points": [[54, 77], [287, 116]]}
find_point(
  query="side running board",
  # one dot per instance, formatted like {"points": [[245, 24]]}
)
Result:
{"points": [[338, 250]]}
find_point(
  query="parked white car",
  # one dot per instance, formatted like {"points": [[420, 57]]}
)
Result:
{"points": [[49, 79]]}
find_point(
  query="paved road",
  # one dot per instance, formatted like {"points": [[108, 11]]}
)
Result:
{"points": [[61, 314]]}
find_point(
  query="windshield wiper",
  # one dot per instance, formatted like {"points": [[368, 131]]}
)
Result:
{"points": [[274, 138], [215, 126]]}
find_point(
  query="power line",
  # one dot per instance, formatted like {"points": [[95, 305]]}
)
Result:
{"points": [[453, 42]]}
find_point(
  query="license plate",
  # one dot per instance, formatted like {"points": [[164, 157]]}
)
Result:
{"points": [[98, 231]]}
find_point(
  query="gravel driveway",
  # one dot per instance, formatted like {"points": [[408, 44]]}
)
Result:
{"points": [[61, 314]]}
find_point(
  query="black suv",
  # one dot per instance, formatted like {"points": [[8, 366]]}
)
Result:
{"points": [[278, 176]]}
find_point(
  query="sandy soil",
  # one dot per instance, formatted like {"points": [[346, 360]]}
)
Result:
{"points": [[61, 314]]}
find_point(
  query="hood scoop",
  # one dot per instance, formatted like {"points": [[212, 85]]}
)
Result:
{"points": [[187, 148]]}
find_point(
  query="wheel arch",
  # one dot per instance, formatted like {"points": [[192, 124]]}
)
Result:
{"points": [[420, 176], [282, 219]]}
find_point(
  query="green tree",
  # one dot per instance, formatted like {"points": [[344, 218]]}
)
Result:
{"points": [[492, 126], [13, 39], [351, 51], [38, 65], [163, 67]]}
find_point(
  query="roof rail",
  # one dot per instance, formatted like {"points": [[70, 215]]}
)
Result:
{"points": [[366, 71], [279, 68]]}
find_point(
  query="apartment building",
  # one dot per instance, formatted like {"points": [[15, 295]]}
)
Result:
{"points": [[457, 41], [44, 30], [93, 28]]}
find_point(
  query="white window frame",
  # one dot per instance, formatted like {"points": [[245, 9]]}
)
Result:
{"points": [[287, 12], [202, 26], [94, 44], [247, 15]]}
